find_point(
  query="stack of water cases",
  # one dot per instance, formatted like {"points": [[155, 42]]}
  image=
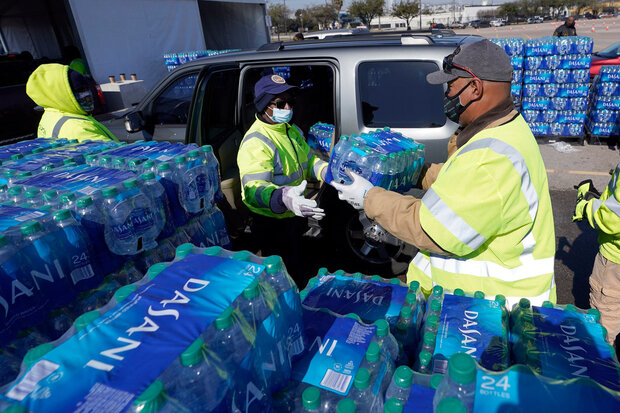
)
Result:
{"points": [[174, 60], [555, 84], [71, 234], [384, 157], [210, 331], [604, 108], [514, 47], [320, 136]]}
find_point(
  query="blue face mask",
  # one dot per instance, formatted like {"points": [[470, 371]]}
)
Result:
{"points": [[281, 115]]}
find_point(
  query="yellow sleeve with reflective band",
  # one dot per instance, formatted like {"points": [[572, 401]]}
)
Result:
{"points": [[604, 213], [463, 208], [255, 160]]}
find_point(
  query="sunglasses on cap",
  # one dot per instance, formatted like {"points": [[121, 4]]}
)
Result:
{"points": [[448, 65], [281, 104]]}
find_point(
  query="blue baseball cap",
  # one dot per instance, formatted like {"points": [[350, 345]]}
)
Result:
{"points": [[267, 88]]}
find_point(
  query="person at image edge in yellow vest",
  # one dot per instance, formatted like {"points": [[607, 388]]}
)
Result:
{"points": [[485, 222], [274, 162], [67, 98], [602, 211]]}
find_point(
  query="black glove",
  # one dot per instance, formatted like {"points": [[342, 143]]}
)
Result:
{"points": [[586, 190]]}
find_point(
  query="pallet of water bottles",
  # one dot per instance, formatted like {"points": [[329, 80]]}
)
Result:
{"points": [[385, 157], [212, 330], [515, 48], [174, 60], [604, 108]]}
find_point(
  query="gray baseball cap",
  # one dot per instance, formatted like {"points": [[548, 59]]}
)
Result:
{"points": [[484, 59]]}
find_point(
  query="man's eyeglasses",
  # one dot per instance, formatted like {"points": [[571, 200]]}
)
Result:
{"points": [[448, 65], [281, 104]]}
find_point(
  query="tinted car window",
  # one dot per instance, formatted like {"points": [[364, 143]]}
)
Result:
{"points": [[396, 94], [172, 105], [220, 102]]}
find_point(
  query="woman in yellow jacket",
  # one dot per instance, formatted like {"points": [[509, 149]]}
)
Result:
{"points": [[68, 101]]}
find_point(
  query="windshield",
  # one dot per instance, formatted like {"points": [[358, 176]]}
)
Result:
{"points": [[610, 52]]}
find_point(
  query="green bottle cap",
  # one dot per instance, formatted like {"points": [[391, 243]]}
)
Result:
{"points": [[148, 164], [152, 398], [251, 290], [119, 162], [213, 251], [90, 158], [122, 293], [180, 160], [31, 228], [206, 148], [184, 250], [25, 174], [84, 202], [403, 376], [9, 173], [164, 166], [436, 306], [357, 275], [16, 190], [130, 183], [524, 303], [134, 163], [48, 167], [462, 368], [425, 358], [595, 313], [437, 290], [109, 192], [312, 282], [17, 157], [36, 353], [224, 320], [339, 272], [451, 405], [194, 353], [429, 338], [478, 294], [311, 398], [410, 298], [432, 321], [147, 176], [435, 380], [273, 264], [31, 193], [193, 153], [242, 256], [322, 271], [548, 304], [62, 215], [16, 408], [3, 240], [501, 299], [37, 150], [353, 316], [383, 328], [459, 292], [303, 294], [50, 195], [362, 379], [156, 269], [570, 307], [376, 278], [405, 312], [67, 161], [393, 405], [85, 319], [346, 406], [395, 281], [373, 352]]}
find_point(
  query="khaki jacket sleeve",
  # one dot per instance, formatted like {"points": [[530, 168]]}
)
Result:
{"points": [[400, 216], [430, 171]]}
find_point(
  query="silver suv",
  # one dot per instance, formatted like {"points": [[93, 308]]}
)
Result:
{"points": [[357, 83]]}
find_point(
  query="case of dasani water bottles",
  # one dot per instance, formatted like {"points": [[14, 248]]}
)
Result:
{"points": [[604, 111], [320, 136], [514, 47]]}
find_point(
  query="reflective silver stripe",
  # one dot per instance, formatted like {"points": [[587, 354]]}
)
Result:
{"points": [[259, 176], [451, 221], [278, 169], [422, 263], [614, 179], [610, 203], [262, 138], [258, 198], [304, 166], [286, 179], [316, 169], [60, 123], [530, 267], [537, 301], [596, 204], [502, 148]]}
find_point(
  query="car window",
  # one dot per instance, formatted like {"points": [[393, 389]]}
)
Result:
{"points": [[396, 94], [172, 104], [220, 102]]}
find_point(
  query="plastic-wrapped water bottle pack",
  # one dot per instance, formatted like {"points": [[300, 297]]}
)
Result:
{"points": [[604, 110], [556, 77], [320, 136], [384, 157], [174, 60], [515, 48]]}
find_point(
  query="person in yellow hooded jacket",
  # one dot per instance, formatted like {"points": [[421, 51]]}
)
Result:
{"points": [[67, 98]]}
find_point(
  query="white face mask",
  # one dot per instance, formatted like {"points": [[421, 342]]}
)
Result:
{"points": [[85, 100], [281, 115]]}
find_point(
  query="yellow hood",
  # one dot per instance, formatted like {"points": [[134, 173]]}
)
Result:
{"points": [[49, 87]]}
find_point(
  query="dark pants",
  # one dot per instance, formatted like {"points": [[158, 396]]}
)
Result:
{"points": [[282, 237]]}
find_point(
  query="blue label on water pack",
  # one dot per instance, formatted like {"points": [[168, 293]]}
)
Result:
{"points": [[11, 216], [571, 345], [420, 400], [336, 361], [96, 369], [370, 300], [472, 326], [536, 103], [519, 390]]}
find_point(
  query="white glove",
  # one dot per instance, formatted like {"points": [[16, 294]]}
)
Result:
{"points": [[293, 198], [354, 193]]}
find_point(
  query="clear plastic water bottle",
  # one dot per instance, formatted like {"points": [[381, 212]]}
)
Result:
{"points": [[451, 405], [424, 362], [120, 164], [158, 197], [35, 354], [315, 400], [347, 406], [51, 198], [67, 201], [362, 392], [93, 222], [386, 340], [16, 194], [145, 216], [213, 172], [393, 405], [33, 196], [197, 176], [400, 385], [120, 234], [227, 340], [173, 187], [155, 400], [460, 382], [220, 225], [85, 319], [342, 147]]}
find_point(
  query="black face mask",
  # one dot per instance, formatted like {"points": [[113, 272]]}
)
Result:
{"points": [[452, 106]]}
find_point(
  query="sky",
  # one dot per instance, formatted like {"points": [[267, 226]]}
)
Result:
{"points": [[300, 4]]}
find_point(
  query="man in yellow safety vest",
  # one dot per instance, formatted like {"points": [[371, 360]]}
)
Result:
{"points": [[485, 222]]}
